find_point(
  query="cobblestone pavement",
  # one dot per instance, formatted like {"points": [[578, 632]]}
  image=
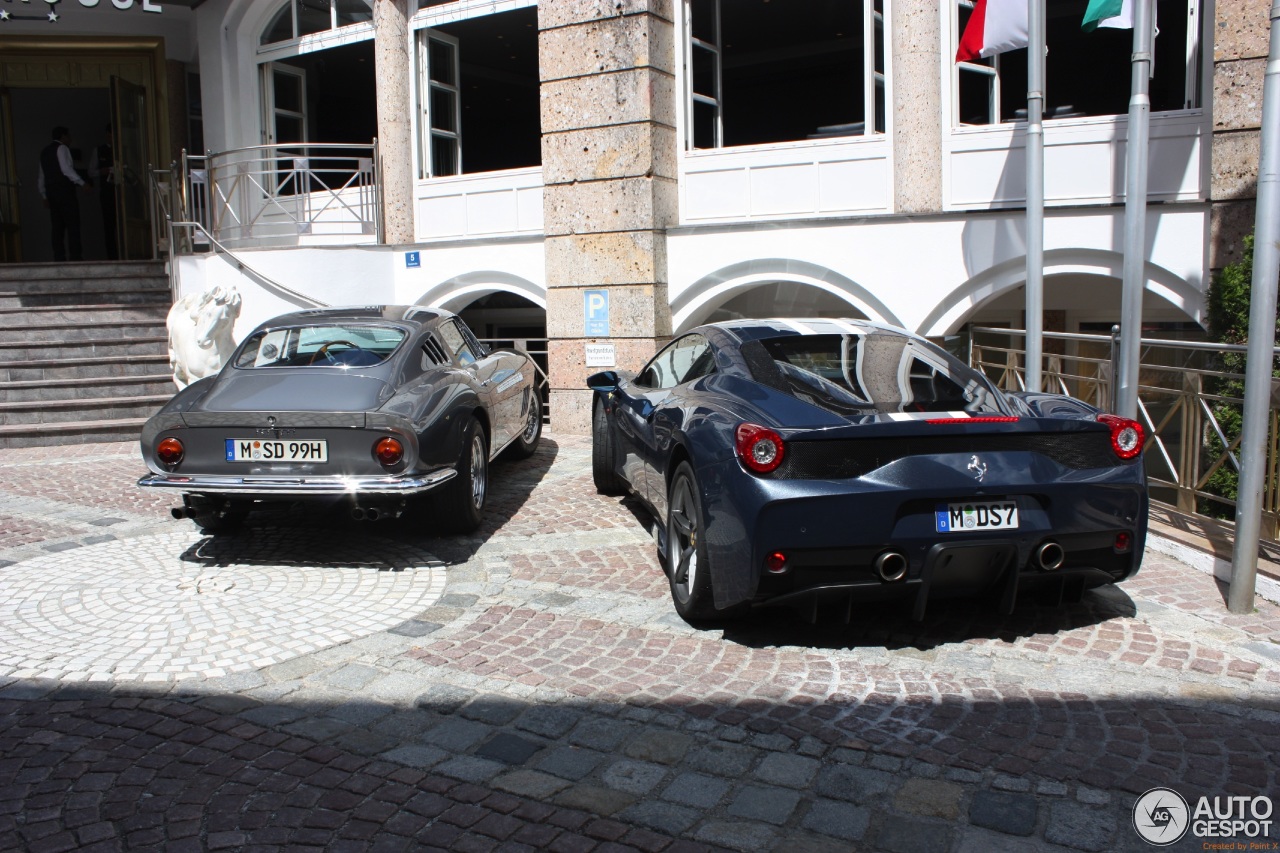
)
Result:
{"points": [[318, 683]]}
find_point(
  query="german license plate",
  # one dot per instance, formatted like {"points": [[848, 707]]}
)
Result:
{"points": [[977, 516], [276, 450]]}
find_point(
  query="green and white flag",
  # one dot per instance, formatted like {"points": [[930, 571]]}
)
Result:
{"points": [[1108, 13]]}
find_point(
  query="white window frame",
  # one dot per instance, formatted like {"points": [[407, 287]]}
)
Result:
{"points": [[427, 134], [714, 100], [875, 83], [270, 110], [1192, 86]]}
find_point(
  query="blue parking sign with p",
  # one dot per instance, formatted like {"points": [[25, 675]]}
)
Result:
{"points": [[595, 308]]}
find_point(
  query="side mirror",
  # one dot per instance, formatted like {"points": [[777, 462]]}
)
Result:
{"points": [[605, 382]]}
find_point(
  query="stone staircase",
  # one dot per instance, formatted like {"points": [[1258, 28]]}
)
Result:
{"points": [[83, 351]]}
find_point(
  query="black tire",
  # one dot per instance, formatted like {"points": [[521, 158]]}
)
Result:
{"points": [[460, 505], [604, 454], [215, 516], [687, 563], [527, 442]]}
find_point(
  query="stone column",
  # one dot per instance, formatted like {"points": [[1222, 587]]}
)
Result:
{"points": [[915, 41], [1240, 45], [395, 137], [609, 167]]}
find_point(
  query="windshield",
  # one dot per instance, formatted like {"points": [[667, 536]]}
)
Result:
{"points": [[322, 345], [878, 372]]}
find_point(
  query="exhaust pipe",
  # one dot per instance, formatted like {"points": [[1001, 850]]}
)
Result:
{"points": [[891, 566], [373, 513], [1050, 556], [178, 512], [357, 512]]}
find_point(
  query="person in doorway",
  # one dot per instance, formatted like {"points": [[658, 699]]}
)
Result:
{"points": [[103, 171], [57, 182]]}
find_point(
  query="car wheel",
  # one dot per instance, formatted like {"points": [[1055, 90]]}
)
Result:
{"points": [[688, 567], [214, 516], [461, 503], [603, 455], [527, 442]]}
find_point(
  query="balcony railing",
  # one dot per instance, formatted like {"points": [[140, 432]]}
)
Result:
{"points": [[1181, 403], [280, 195]]}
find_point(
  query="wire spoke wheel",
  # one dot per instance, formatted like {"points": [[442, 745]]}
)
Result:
{"points": [[479, 471]]}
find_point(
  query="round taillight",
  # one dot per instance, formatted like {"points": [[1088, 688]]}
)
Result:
{"points": [[760, 448], [389, 451], [170, 451], [1123, 542], [776, 562], [1127, 435]]}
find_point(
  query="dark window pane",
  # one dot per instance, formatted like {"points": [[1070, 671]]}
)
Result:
{"points": [[444, 156], [704, 72], [288, 128], [975, 98], [288, 92], [281, 26], [354, 12], [704, 19], [704, 125], [441, 63], [313, 16], [443, 115]]}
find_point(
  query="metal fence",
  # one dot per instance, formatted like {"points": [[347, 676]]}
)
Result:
{"points": [[1182, 402], [279, 194]]}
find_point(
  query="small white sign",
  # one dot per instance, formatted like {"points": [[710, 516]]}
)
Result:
{"points": [[601, 355]]}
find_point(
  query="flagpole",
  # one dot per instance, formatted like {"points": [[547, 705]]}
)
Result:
{"points": [[1258, 386], [1035, 192], [1135, 214]]}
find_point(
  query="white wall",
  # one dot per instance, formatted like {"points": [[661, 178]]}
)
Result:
{"points": [[930, 273], [449, 276]]}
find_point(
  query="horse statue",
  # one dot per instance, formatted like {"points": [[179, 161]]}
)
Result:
{"points": [[200, 333]]}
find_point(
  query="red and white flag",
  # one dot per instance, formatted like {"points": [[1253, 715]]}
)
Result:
{"points": [[995, 26]]}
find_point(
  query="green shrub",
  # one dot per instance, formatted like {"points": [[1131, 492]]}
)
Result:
{"points": [[1228, 309]]}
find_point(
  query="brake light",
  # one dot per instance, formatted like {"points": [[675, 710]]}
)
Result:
{"points": [[388, 451], [170, 451], [984, 419], [1127, 436], [760, 448]]}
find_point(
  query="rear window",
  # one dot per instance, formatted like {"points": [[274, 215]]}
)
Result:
{"points": [[876, 372], [322, 345]]}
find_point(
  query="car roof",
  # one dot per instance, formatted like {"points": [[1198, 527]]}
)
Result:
{"points": [[777, 327], [404, 315]]}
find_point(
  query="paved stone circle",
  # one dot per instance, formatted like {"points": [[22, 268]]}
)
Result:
{"points": [[179, 605]]}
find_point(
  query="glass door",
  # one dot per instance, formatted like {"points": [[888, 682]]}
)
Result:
{"points": [[129, 135], [10, 216]]}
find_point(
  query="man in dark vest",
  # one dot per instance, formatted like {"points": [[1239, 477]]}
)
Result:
{"points": [[57, 183]]}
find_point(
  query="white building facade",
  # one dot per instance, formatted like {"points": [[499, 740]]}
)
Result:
{"points": [[806, 158]]}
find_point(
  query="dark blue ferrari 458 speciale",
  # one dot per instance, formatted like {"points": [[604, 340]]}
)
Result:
{"points": [[825, 462]]}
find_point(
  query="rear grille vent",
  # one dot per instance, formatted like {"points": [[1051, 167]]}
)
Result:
{"points": [[434, 351], [847, 458]]}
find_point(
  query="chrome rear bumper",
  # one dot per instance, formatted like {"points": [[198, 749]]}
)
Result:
{"points": [[269, 486]]}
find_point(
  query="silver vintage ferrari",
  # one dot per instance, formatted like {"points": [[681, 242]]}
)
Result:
{"points": [[375, 404]]}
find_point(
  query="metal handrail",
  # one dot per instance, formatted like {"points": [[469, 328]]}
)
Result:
{"points": [[263, 278], [1186, 442]]}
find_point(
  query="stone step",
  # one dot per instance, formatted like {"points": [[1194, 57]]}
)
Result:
{"points": [[67, 332], [60, 369], [85, 285], [96, 347], [70, 432], [146, 384], [74, 298], [87, 409], [108, 312], [79, 270]]}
